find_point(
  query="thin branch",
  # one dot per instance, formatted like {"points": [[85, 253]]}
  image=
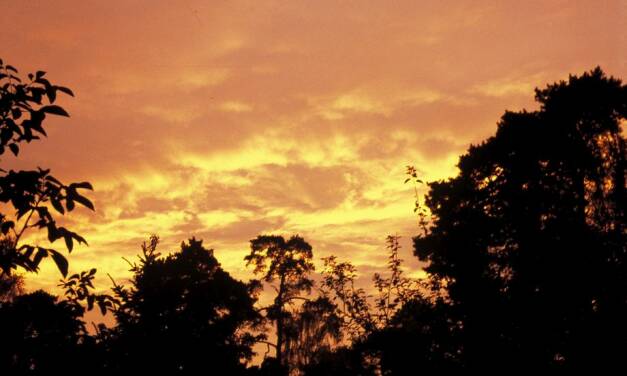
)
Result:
{"points": [[19, 235]]}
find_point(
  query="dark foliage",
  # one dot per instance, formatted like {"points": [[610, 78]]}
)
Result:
{"points": [[30, 195], [182, 313], [288, 265], [529, 240], [42, 335]]}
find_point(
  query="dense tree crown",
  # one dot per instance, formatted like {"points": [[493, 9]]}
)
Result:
{"points": [[182, 313], [529, 239]]}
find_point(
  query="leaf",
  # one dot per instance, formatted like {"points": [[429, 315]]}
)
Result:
{"points": [[69, 204], [65, 90], [51, 92], [57, 205], [14, 149], [84, 201], [55, 110], [79, 238], [83, 185], [69, 243], [53, 232], [53, 179], [29, 250], [102, 306], [60, 260], [6, 226], [38, 256]]}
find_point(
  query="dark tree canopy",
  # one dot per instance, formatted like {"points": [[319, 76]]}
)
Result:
{"points": [[529, 239], [183, 313], [43, 335]]}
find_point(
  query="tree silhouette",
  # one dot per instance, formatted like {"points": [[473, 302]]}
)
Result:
{"points": [[32, 194], [42, 334], [182, 314], [288, 263], [310, 330], [529, 239], [37, 334], [373, 324]]}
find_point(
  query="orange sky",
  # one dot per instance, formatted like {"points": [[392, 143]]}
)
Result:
{"points": [[224, 120]]}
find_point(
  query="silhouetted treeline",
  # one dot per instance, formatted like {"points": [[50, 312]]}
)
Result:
{"points": [[525, 251]]}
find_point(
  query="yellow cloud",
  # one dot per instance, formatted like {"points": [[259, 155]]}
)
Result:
{"points": [[507, 86], [235, 106]]}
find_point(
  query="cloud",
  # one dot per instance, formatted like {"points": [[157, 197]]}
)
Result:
{"points": [[223, 120], [235, 106]]}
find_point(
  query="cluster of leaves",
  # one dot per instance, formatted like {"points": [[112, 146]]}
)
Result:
{"points": [[32, 194], [78, 294], [22, 106]]}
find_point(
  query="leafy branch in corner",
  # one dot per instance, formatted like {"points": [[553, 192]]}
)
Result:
{"points": [[33, 195]]}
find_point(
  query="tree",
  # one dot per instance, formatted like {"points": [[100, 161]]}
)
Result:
{"points": [[37, 332], [529, 239], [360, 316], [43, 334], [182, 314], [288, 263], [310, 330], [304, 326], [31, 195]]}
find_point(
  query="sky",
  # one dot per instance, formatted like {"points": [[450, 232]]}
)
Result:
{"points": [[224, 120]]}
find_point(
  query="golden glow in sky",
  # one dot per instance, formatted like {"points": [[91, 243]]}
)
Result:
{"points": [[224, 119]]}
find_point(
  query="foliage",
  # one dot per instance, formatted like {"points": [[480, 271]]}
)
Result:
{"points": [[39, 330], [361, 316], [32, 194], [10, 286], [182, 313], [529, 238], [288, 264], [352, 303]]}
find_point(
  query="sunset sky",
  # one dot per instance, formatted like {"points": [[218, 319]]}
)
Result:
{"points": [[224, 119]]}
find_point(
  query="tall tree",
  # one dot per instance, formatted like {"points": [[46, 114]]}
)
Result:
{"points": [[286, 264], [529, 239]]}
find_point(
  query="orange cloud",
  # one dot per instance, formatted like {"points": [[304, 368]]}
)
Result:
{"points": [[224, 120]]}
